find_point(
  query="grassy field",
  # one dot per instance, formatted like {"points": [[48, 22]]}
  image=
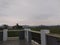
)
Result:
{"points": [[55, 30], [13, 33]]}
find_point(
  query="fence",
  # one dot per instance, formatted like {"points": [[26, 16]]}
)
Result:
{"points": [[43, 37], [51, 39]]}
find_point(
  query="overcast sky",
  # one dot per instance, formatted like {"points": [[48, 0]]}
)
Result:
{"points": [[30, 12]]}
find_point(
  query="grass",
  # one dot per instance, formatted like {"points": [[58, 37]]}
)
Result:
{"points": [[52, 30], [13, 33]]}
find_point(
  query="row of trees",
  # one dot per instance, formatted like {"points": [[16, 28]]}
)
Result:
{"points": [[11, 27]]}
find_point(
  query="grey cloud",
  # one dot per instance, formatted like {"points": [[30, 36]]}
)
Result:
{"points": [[30, 10], [4, 3]]}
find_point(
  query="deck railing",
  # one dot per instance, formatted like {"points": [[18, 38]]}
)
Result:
{"points": [[43, 37]]}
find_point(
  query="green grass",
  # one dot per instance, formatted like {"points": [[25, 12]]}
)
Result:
{"points": [[13, 33], [52, 30]]}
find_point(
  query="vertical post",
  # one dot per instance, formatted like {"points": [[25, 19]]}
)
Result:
{"points": [[43, 36], [1, 35], [5, 35], [27, 35], [21, 35]]}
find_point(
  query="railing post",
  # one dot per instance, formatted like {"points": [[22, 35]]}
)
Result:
{"points": [[21, 35], [1, 36], [27, 35], [5, 35], [43, 36]]}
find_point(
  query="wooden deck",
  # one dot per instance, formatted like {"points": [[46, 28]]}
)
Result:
{"points": [[15, 41]]}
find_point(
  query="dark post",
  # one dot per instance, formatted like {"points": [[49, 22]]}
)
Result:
{"points": [[1, 36], [21, 35]]}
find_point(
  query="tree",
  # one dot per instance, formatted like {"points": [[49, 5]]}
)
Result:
{"points": [[5, 26], [17, 26]]}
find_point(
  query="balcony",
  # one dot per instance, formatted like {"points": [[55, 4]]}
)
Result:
{"points": [[28, 37], [15, 41]]}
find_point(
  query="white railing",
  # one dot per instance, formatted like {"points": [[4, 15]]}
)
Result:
{"points": [[5, 34], [43, 35]]}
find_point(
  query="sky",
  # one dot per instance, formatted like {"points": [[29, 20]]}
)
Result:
{"points": [[30, 12]]}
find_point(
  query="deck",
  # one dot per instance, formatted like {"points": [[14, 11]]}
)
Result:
{"points": [[15, 41]]}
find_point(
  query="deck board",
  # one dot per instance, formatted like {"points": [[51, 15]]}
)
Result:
{"points": [[15, 41]]}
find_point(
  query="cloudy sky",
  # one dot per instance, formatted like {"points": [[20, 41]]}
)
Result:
{"points": [[30, 12]]}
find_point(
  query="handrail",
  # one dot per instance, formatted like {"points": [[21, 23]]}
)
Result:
{"points": [[35, 31], [54, 35], [50, 34], [15, 30]]}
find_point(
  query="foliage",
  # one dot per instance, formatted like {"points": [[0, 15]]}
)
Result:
{"points": [[17, 27], [53, 29], [13, 33]]}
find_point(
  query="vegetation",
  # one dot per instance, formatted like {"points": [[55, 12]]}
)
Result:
{"points": [[15, 27], [53, 29], [13, 33]]}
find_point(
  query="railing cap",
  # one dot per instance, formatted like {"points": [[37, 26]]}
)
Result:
{"points": [[45, 31]]}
